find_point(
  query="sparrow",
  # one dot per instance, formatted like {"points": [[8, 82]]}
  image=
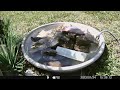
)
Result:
{"points": [[35, 39]]}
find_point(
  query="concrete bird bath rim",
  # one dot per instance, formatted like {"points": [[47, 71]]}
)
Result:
{"points": [[26, 44]]}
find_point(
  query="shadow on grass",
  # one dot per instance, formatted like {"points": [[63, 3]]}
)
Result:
{"points": [[91, 70]]}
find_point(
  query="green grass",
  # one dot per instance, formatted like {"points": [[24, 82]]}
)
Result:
{"points": [[10, 60], [108, 64]]}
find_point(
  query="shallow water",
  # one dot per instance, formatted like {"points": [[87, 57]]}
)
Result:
{"points": [[43, 59], [64, 61]]}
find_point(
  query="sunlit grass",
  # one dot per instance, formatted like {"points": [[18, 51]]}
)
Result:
{"points": [[10, 61], [109, 64]]}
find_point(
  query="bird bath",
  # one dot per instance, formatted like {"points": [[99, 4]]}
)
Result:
{"points": [[37, 59]]}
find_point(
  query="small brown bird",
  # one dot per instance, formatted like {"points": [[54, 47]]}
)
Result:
{"points": [[35, 39], [50, 52]]}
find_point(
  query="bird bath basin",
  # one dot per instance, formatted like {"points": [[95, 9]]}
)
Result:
{"points": [[38, 60]]}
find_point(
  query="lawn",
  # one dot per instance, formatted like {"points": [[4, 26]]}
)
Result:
{"points": [[109, 64]]}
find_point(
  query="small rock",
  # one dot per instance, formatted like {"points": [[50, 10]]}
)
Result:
{"points": [[29, 72], [54, 63], [53, 43], [44, 33]]}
